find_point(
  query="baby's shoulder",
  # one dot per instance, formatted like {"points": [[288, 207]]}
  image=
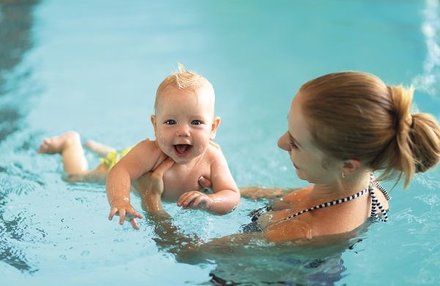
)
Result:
{"points": [[214, 149], [147, 147], [147, 143], [214, 155]]}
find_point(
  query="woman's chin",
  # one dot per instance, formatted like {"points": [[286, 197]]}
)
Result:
{"points": [[300, 175]]}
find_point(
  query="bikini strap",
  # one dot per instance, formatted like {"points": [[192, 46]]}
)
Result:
{"points": [[380, 187], [326, 205], [375, 206]]}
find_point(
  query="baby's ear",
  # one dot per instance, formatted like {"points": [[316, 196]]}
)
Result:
{"points": [[215, 124], [153, 121]]}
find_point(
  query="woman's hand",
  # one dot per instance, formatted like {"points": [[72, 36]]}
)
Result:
{"points": [[204, 182], [151, 187]]}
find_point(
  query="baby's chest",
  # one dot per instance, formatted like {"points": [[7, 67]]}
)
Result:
{"points": [[180, 180]]}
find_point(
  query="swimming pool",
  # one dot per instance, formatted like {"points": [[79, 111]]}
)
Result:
{"points": [[93, 66]]}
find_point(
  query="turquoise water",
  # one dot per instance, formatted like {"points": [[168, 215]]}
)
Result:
{"points": [[93, 66]]}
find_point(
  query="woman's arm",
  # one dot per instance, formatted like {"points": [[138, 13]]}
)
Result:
{"points": [[256, 193], [153, 188], [169, 237], [186, 248], [281, 197]]}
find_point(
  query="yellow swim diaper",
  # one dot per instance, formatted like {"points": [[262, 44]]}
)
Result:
{"points": [[113, 157]]}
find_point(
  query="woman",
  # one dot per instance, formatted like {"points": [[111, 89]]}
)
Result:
{"points": [[342, 127]]}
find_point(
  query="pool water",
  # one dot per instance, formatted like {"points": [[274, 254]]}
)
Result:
{"points": [[94, 66]]}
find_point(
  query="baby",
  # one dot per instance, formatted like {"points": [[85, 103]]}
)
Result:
{"points": [[185, 127]]}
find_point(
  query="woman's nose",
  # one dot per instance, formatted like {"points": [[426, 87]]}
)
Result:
{"points": [[283, 142]]}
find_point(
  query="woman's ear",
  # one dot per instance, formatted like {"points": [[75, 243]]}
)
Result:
{"points": [[350, 166], [215, 124]]}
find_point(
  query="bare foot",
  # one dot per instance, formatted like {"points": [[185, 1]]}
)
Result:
{"points": [[58, 143], [98, 148]]}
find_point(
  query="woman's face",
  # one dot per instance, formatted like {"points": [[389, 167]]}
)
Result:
{"points": [[309, 161]]}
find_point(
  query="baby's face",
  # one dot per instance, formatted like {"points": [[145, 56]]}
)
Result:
{"points": [[184, 122]]}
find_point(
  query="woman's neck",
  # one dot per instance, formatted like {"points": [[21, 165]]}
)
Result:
{"points": [[341, 187]]}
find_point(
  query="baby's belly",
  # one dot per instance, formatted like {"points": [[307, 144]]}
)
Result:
{"points": [[175, 188]]}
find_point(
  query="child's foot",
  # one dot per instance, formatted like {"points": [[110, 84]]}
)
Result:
{"points": [[58, 143], [98, 148]]}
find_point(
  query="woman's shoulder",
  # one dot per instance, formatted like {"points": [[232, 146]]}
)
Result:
{"points": [[296, 194], [310, 219]]}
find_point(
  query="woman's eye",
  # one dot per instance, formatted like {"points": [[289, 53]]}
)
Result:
{"points": [[196, 122], [170, 122], [293, 145]]}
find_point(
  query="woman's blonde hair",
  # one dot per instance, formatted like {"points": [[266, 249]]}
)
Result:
{"points": [[184, 79], [355, 115]]}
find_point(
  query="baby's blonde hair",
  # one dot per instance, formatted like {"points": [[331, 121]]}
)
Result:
{"points": [[184, 79]]}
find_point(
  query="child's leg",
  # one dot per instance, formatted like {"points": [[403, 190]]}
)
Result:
{"points": [[74, 160], [97, 175], [98, 148], [69, 146]]}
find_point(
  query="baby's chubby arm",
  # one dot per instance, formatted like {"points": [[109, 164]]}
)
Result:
{"points": [[226, 194], [137, 162]]}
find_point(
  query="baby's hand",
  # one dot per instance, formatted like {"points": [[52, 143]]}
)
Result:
{"points": [[195, 200], [124, 210]]}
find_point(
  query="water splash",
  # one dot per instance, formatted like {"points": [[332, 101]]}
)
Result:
{"points": [[428, 81]]}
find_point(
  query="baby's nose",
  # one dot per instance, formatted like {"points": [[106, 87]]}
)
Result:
{"points": [[183, 131]]}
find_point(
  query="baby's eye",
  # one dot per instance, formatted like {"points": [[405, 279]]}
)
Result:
{"points": [[196, 122], [170, 122]]}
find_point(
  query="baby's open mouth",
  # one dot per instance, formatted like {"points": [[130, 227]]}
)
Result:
{"points": [[182, 148]]}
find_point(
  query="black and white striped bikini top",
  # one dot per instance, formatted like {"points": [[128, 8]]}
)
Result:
{"points": [[378, 212]]}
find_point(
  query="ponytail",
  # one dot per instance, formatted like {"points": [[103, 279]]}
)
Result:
{"points": [[425, 138], [417, 138]]}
